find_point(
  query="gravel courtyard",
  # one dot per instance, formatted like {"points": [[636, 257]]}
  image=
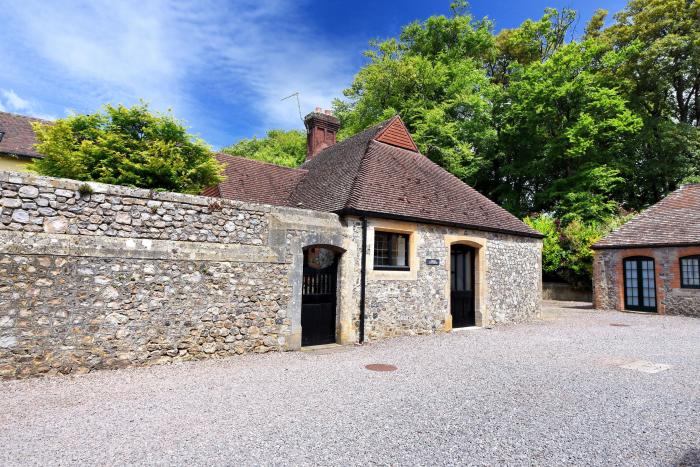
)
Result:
{"points": [[551, 392]]}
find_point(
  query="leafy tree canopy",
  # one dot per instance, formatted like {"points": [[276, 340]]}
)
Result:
{"points": [[544, 120], [287, 148], [126, 146]]}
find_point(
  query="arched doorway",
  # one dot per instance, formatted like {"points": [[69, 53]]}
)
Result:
{"points": [[462, 296], [319, 295]]}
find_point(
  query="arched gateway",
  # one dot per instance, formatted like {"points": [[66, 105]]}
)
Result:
{"points": [[319, 295]]}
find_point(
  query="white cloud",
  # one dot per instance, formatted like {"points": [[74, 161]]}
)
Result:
{"points": [[11, 102], [14, 102], [246, 53]]}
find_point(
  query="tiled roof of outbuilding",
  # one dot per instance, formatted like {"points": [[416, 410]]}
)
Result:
{"points": [[254, 181], [377, 175], [18, 136], [675, 220]]}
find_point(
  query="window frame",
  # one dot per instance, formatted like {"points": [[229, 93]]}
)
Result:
{"points": [[639, 286], [680, 265], [389, 234]]}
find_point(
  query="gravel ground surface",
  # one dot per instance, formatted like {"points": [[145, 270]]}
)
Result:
{"points": [[547, 393]]}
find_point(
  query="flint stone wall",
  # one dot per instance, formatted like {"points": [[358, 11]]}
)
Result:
{"points": [[399, 303], [98, 276]]}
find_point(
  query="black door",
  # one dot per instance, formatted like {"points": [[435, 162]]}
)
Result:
{"points": [[318, 298], [462, 286], [640, 284]]}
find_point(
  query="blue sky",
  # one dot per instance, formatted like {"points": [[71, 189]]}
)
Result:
{"points": [[222, 67]]}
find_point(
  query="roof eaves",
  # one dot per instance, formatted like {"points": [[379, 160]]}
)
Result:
{"points": [[361, 213], [621, 246]]}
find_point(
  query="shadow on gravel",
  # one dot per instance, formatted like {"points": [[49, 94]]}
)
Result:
{"points": [[690, 459], [579, 306]]}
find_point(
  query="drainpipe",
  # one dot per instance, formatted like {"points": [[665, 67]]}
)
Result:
{"points": [[363, 271]]}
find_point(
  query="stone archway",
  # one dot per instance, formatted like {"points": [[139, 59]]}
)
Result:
{"points": [[319, 295]]}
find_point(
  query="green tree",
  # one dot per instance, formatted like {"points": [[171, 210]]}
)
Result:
{"points": [[594, 27], [553, 255], [564, 126], [566, 250], [434, 78], [662, 70], [533, 41], [126, 146], [287, 148]]}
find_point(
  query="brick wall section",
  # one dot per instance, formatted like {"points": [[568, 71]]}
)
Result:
{"points": [[608, 279]]}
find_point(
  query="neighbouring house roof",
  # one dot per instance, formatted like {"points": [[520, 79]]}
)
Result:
{"points": [[377, 172], [673, 221], [18, 137]]}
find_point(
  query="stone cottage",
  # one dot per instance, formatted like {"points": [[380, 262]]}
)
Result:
{"points": [[652, 263], [368, 239], [421, 250]]}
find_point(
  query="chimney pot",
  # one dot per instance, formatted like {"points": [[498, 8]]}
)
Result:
{"points": [[322, 128]]}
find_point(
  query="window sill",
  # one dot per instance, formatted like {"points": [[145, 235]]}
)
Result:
{"points": [[389, 268]]}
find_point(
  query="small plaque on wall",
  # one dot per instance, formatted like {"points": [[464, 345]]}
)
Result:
{"points": [[432, 262]]}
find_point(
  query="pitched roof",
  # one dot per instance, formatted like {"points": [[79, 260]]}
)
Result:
{"points": [[333, 172], [401, 183], [379, 172], [255, 181], [675, 220], [18, 138]]}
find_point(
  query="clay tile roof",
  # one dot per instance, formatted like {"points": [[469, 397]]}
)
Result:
{"points": [[332, 173], [675, 220], [401, 183], [379, 172], [18, 138], [254, 181]]}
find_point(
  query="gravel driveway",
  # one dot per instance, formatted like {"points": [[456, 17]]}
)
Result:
{"points": [[551, 392]]}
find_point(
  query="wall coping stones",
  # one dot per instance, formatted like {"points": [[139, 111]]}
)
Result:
{"points": [[25, 178]]}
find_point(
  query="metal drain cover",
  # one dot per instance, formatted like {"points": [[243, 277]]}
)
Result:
{"points": [[380, 367], [620, 325]]}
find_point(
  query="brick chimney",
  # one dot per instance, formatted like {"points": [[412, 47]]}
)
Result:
{"points": [[321, 128]]}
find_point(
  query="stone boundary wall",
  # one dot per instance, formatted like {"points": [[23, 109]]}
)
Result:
{"points": [[99, 276], [561, 291]]}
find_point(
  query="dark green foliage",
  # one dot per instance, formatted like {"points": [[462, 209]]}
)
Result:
{"points": [[287, 148], [126, 146], [537, 119], [566, 251], [580, 129]]}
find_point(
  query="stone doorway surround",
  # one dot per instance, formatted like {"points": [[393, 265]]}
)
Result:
{"points": [[481, 289], [328, 232]]}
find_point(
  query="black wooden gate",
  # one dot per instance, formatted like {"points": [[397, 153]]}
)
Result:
{"points": [[462, 286], [318, 302]]}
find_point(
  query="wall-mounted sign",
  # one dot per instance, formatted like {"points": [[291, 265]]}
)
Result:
{"points": [[432, 262]]}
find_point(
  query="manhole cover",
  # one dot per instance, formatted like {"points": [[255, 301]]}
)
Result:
{"points": [[380, 367], [620, 325]]}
